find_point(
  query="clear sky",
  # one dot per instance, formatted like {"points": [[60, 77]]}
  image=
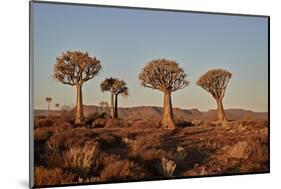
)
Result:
{"points": [[125, 39]]}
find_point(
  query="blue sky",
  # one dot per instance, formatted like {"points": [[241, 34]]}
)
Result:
{"points": [[125, 39]]}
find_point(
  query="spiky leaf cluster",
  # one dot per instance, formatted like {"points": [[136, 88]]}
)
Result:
{"points": [[114, 85]]}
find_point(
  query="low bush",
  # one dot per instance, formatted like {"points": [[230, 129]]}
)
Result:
{"points": [[83, 160], [68, 116], [42, 134], [91, 118], [118, 170], [144, 124], [167, 167], [44, 121], [99, 123], [44, 176], [181, 123]]}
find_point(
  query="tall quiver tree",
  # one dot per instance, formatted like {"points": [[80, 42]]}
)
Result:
{"points": [[75, 68], [48, 100], [119, 87], [166, 76], [107, 85], [116, 87], [215, 82]]}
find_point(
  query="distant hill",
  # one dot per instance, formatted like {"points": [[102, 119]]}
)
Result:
{"points": [[154, 112]]}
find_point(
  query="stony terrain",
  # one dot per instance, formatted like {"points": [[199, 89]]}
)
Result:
{"points": [[106, 150]]}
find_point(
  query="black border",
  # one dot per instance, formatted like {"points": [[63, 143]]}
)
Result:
{"points": [[31, 128]]}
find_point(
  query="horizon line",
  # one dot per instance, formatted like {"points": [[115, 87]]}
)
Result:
{"points": [[162, 108]]}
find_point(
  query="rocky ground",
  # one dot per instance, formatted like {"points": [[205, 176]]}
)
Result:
{"points": [[107, 150]]}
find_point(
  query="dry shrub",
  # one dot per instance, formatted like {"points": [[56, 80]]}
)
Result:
{"points": [[212, 124], [118, 170], [82, 159], [94, 116], [181, 123], [167, 167], [99, 123], [60, 142], [43, 176], [42, 134], [60, 127], [255, 123], [68, 116], [63, 140], [143, 124], [44, 121], [116, 123], [148, 143], [253, 149], [197, 122], [180, 153]]}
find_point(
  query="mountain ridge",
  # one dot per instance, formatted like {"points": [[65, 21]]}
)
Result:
{"points": [[155, 112]]}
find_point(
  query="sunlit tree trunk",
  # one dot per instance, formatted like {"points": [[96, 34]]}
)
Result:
{"points": [[116, 107], [79, 105], [220, 110], [112, 104], [168, 116]]}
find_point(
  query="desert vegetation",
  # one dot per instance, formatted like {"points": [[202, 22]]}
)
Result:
{"points": [[106, 149], [116, 87], [75, 68], [166, 76], [215, 82], [84, 144]]}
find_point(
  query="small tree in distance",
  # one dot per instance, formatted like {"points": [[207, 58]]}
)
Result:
{"points": [[75, 68], [215, 82], [119, 87], [65, 108], [103, 105], [57, 105], [116, 87], [166, 76], [107, 85], [48, 100]]}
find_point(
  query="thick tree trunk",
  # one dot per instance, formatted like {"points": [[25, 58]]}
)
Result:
{"points": [[116, 107], [79, 118], [168, 116], [220, 110], [112, 105]]}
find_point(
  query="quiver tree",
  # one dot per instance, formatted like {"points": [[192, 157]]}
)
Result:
{"points": [[107, 85], [103, 105], [119, 88], [166, 76], [116, 87], [74, 68], [215, 82], [57, 105], [48, 100]]}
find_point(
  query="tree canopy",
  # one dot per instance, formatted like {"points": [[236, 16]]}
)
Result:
{"points": [[215, 82], [75, 67], [163, 74]]}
